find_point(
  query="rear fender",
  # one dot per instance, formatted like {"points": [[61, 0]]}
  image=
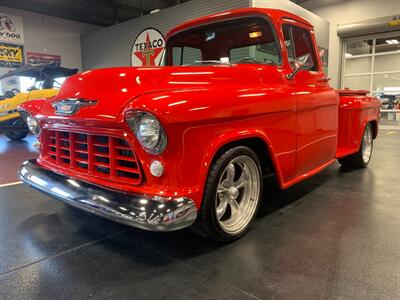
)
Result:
{"points": [[354, 115]]}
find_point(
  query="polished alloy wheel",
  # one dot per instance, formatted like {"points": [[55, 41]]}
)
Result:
{"points": [[367, 144], [237, 194]]}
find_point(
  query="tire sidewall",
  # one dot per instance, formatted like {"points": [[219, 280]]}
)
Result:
{"points": [[368, 127], [210, 197], [19, 134], [16, 135]]}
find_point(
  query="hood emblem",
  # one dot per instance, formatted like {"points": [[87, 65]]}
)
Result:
{"points": [[71, 105]]}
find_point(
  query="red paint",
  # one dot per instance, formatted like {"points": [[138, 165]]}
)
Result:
{"points": [[304, 122]]}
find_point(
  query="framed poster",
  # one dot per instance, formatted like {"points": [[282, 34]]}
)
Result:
{"points": [[11, 56], [11, 29]]}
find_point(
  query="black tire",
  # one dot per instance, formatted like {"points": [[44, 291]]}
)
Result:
{"points": [[207, 223], [16, 135], [356, 160]]}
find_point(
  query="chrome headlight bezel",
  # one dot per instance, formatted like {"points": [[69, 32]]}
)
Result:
{"points": [[136, 122], [31, 122]]}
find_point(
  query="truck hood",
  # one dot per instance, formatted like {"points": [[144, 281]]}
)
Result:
{"points": [[112, 89]]}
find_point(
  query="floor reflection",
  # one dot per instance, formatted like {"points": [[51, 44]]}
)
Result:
{"points": [[12, 154]]}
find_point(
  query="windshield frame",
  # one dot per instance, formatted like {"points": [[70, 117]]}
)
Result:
{"points": [[251, 15]]}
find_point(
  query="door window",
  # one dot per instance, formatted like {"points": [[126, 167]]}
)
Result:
{"points": [[299, 43]]}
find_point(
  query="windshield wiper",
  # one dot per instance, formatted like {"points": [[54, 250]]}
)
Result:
{"points": [[201, 62]]}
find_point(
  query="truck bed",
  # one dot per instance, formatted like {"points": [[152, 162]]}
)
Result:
{"points": [[356, 110]]}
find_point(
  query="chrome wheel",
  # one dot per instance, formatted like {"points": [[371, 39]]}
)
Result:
{"points": [[238, 194], [367, 145]]}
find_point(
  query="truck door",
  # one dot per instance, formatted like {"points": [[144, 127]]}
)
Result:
{"points": [[317, 103]]}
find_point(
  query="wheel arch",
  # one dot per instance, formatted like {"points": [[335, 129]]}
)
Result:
{"points": [[374, 124], [256, 140]]}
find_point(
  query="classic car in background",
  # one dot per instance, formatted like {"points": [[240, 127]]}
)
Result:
{"points": [[242, 97], [44, 86]]}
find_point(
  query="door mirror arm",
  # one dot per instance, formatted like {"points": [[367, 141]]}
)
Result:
{"points": [[301, 63]]}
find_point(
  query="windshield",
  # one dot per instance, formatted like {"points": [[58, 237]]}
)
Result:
{"points": [[29, 83], [10, 86], [240, 41]]}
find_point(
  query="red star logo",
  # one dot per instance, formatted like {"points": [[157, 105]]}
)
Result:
{"points": [[149, 55]]}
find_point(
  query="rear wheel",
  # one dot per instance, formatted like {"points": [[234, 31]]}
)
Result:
{"points": [[232, 196], [362, 157]]}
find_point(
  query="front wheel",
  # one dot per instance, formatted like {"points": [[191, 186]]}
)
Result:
{"points": [[17, 134], [232, 196], [362, 157]]}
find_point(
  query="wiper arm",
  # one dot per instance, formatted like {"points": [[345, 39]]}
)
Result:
{"points": [[218, 62]]}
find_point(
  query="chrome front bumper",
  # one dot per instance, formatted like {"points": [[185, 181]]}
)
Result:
{"points": [[150, 213]]}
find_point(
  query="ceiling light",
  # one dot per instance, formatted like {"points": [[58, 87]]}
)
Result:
{"points": [[392, 42], [347, 55]]}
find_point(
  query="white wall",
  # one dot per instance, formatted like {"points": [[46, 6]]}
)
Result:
{"points": [[51, 35], [112, 46], [343, 12]]}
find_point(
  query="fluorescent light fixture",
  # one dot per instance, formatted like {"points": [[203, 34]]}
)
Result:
{"points": [[391, 89], [255, 34], [392, 42], [347, 55], [155, 11]]}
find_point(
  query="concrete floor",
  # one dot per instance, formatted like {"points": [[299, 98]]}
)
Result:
{"points": [[335, 236], [12, 154]]}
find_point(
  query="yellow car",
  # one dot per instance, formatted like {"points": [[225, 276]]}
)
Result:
{"points": [[45, 81]]}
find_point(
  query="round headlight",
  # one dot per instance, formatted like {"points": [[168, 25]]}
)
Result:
{"points": [[148, 131], [33, 125]]}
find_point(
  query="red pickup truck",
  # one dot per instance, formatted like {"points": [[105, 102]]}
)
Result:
{"points": [[242, 96]]}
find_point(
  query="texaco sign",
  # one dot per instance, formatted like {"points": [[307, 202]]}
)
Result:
{"points": [[148, 48]]}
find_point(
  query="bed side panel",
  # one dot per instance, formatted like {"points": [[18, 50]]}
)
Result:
{"points": [[355, 112]]}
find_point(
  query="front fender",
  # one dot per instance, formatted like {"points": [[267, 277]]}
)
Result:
{"points": [[236, 136], [198, 122]]}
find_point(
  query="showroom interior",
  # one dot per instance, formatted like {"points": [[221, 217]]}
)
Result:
{"points": [[330, 231]]}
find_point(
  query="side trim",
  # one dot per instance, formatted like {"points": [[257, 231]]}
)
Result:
{"points": [[307, 175]]}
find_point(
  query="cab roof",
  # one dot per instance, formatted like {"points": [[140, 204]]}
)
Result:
{"points": [[275, 15]]}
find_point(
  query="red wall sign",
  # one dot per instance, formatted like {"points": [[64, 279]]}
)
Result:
{"points": [[34, 58]]}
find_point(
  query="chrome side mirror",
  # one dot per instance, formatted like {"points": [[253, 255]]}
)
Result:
{"points": [[301, 63]]}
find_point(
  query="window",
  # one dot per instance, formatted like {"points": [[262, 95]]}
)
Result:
{"points": [[264, 53], [185, 55], [288, 43], [28, 83], [373, 63], [240, 41], [299, 43]]}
